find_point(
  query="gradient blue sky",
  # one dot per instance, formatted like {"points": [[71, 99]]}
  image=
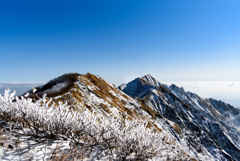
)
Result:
{"points": [[174, 40]]}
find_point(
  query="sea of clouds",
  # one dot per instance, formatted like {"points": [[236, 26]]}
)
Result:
{"points": [[227, 91], [20, 88]]}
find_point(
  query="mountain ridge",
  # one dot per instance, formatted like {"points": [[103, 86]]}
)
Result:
{"points": [[196, 115], [195, 123]]}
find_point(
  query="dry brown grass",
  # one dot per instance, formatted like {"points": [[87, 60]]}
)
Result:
{"points": [[105, 107], [154, 126], [149, 110], [177, 128], [135, 114], [88, 107], [157, 128], [77, 95], [103, 92], [144, 81], [192, 159]]}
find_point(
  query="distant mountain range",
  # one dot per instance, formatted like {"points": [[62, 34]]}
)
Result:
{"points": [[206, 128]]}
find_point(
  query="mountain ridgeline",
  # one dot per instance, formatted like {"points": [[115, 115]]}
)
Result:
{"points": [[205, 128]]}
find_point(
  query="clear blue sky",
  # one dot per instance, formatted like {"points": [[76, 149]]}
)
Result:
{"points": [[174, 40]]}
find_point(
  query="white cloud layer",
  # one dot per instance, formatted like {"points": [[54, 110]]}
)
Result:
{"points": [[20, 88]]}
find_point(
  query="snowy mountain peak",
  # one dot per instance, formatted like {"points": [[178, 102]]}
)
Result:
{"points": [[150, 79], [206, 127]]}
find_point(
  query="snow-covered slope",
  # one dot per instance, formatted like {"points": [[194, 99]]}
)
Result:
{"points": [[206, 127], [95, 94]]}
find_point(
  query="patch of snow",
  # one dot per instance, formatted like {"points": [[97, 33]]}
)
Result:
{"points": [[93, 87], [110, 84], [58, 87], [109, 99], [113, 93]]}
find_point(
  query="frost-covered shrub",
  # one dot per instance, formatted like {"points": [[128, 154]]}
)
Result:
{"points": [[44, 121], [118, 139], [133, 140]]}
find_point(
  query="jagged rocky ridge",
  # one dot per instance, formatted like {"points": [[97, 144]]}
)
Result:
{"points": [[206, 127]]}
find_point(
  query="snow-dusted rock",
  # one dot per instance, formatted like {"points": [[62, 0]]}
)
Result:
{"points": [[206, 127]]}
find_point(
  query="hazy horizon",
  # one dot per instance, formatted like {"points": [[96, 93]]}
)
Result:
{"points": [[227, 91]]}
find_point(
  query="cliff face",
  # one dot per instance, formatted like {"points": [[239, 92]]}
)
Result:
{"points": [[205, 126]]}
